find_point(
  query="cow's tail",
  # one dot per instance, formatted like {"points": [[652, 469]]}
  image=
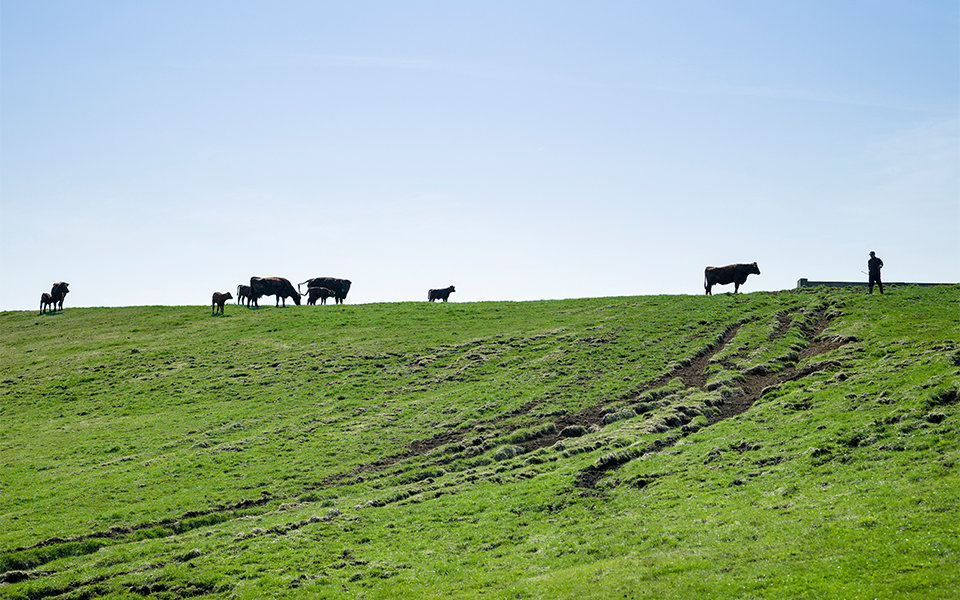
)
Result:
{"points": [[301, 283]]}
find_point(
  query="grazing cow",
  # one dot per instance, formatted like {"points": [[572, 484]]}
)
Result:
{"points": [[274, 286], [340, 287], [219, 300], [46, 302], [318, 292], [443, 294], [58, 292], [735, 274]]}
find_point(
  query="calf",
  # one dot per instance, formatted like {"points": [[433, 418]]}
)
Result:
{"points": [[318, 292], [47, 302], [443, 294], [245, 293], [219, 300]]}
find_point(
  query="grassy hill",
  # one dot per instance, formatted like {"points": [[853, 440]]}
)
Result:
{"points": [[768, 445]]}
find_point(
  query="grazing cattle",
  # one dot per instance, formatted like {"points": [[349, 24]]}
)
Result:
{"points": [[219, 300], [274, 286], [340, 287], [46, 302], [443, 294], [58, 292], [318, 292], [735, 274]]}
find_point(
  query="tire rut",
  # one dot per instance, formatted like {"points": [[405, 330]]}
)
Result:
{"points": [[755, 382]]}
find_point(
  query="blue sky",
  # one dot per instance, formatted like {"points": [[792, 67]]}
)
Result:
{"points": [[155, 152]]}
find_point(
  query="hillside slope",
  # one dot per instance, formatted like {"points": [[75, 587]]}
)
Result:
{"points": [[769, 445]]}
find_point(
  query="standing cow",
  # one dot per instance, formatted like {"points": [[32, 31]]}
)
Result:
{"points": [[274, 286], [58, 292], [46, 303], [735, 274], [339, 287], [219, 300], [244, 294], [442, 294]]}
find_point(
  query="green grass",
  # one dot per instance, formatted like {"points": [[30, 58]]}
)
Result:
{"points": [[422, 450]]}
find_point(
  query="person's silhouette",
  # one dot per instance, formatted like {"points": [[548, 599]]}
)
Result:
{"points": [[873, 272]]}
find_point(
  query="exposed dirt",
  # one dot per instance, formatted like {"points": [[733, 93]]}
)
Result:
{"points": [[754, 383], [693, 373], [783, 326]]}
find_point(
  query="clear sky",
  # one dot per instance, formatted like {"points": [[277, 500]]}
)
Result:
{"points": [[155, 152]]}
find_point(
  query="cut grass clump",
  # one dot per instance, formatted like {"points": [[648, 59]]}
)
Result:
{"points": [[507, 452], [572, 431], [620, 415], [525, 435], [944, 396]]}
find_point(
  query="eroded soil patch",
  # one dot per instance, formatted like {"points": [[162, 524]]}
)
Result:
{"points": [[753, 383]]}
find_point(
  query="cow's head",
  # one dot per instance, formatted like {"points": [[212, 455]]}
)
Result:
{"points": [[754, 268]]}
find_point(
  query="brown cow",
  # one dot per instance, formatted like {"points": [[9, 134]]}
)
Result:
{"points": [[735, 274], [46, 303], [274, 286], [219, 300]]}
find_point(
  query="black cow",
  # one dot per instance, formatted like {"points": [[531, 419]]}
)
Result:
{"points": [[318, 292], [735, 274], [339, 287], [244, 293], [273, 286], [443, 294], [58, 292]]}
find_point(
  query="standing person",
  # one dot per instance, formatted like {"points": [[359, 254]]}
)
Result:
{"points": [[873, 270]]}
